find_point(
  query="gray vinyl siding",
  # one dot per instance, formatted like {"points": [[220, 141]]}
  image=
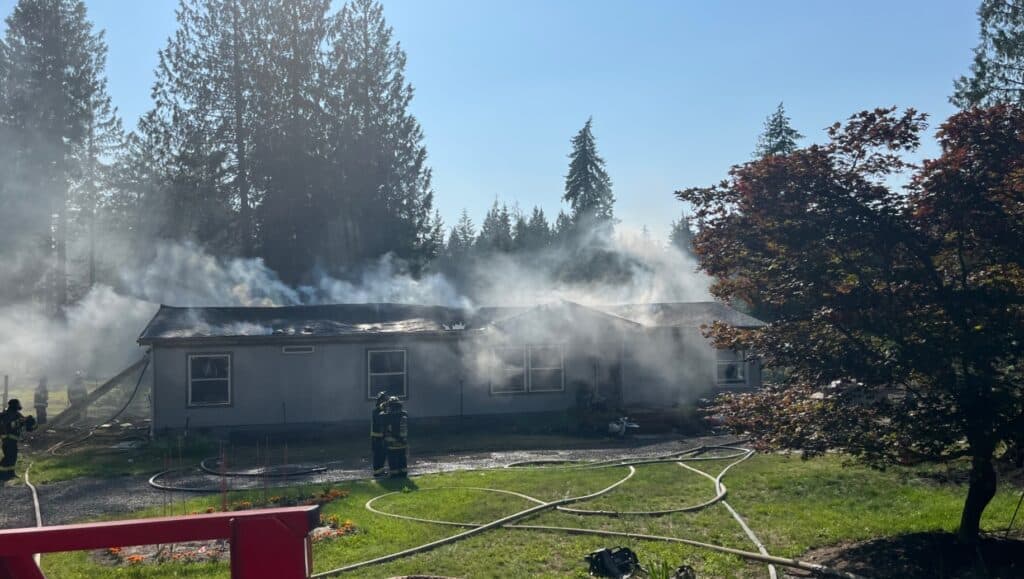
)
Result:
{"points": [[330, 384], [656, 368]]}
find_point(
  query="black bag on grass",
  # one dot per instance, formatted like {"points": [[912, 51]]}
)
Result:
{"points": [[618, 562]]}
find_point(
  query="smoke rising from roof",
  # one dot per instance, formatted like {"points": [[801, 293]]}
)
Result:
{"points": [[99, 332]]}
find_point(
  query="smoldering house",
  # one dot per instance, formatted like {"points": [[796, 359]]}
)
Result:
{"points": [[294, 366]]}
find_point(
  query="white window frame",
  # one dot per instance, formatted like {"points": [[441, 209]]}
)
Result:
{"points": [[740, 361], [500, 372], [560, 367], [370, 374], [192, 404]]}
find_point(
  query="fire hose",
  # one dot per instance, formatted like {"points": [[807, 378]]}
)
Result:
{"points": [[697, 454], [508, 521]]}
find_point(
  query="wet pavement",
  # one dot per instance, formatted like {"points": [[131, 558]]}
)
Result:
{"points": [[85, 498]]}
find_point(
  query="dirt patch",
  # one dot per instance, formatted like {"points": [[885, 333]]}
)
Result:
{"points": [[925, 556]]}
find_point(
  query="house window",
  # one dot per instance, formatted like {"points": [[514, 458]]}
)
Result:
{"points": [[386, 372], [732, 367], [509, 371], [209, 379], [297, 349], [547, 373]]}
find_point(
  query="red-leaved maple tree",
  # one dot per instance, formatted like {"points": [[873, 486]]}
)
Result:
{"points": [[896, 305]]}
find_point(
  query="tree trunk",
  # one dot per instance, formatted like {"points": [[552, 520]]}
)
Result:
{"points": [[981, 490], [92, 247], [238, 104], [61, 277]]}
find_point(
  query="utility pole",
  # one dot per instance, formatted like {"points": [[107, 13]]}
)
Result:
{"points": [[6, 380]]}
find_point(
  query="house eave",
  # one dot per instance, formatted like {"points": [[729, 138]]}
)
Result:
{"points": [[453, 335]]}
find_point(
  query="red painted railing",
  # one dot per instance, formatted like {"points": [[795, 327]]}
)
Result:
{"points": [[264, 543]]}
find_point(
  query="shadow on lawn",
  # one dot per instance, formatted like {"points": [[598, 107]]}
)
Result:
{"points": [[925, 555]]}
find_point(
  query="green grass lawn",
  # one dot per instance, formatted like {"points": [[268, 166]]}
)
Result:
{"points": [[792, 504]]}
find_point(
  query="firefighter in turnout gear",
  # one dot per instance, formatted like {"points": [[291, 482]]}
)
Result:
{"points": [[11, 425], [396, 437], [77, 393], [377, 435]]}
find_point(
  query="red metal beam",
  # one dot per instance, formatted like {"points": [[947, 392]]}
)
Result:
{"points": [[301, 520], [264, 543]]}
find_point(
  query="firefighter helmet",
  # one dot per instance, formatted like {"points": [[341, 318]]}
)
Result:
{"points": [[382, 397], [394, 403], [14, 404]]}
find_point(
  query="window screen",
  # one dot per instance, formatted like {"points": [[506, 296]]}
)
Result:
{"points": [[209, 379]]}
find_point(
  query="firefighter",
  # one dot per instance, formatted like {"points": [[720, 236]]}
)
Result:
{"points": [[77, 392], [396, 437], [11, 424], [41, 401], [377, 435]]}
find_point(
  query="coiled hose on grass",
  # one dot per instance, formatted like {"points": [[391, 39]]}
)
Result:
{"points": [[680, 458], [696, 454]]}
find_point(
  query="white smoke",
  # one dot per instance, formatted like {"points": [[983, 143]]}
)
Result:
{"points": [[99, 332], [382, 282], [649, 272]]}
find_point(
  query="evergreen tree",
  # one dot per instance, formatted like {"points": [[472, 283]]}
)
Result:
{"points": [[538, 230], [563, 226], [521, 241], [103, 139], [681, 236], [53, 85], [382, 199], [997, 74], [779, 137], [4, 70], [205, 90], [4, 137], [289, 141], [496, 231], [460, 241], [134, 206], [588, 189]]}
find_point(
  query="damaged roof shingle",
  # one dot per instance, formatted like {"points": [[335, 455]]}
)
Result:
{"points": [[319, 321]]}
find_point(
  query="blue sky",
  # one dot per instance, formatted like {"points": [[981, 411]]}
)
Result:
{"points": [[678, 89]]}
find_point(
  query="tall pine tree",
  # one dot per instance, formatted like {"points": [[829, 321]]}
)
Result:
{"points": [[588, 189], [381, 199], [680, 236], [462, 236], [997, 74], [204, 92], [496, 230], [779, 137], [54, 89], [289, 141], [539, 230], [95, 156]]}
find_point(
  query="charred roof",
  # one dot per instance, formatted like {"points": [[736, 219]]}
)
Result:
{"points": [[388, 319], [683, 314]]}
